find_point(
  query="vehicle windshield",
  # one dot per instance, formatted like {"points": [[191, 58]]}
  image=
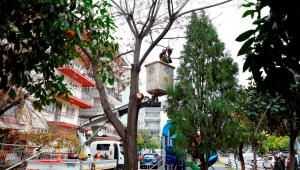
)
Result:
{"points": [[270, 158], [121, 149], [149, 156]]}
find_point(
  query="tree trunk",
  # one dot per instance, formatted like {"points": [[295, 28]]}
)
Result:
{"points": [[254, 156], [241, 156], [202, 160], [292, 152], [207, 161], [133, 110]]}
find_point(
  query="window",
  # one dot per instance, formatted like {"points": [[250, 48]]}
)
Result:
{"points": [[70, 112], [152, 124], [103, 147], [141, 114], [73, 89], [154, 133], [152, 114], [51, 108], [140, 123]]}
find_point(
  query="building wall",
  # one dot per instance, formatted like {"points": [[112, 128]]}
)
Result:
{"points": [[163, 117], [125, 100], [150, 119]]}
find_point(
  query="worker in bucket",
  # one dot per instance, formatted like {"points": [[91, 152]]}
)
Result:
{"points": [[71, 155], [164, 57]]}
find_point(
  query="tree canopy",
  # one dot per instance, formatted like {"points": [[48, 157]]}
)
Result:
{"points": [[272, 46], [200, 102], [39, 36]]}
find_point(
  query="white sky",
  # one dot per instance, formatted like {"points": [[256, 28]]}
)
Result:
{"points": [[229, 25]]}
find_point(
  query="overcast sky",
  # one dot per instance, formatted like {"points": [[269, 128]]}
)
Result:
{"points": [[229, 25]]}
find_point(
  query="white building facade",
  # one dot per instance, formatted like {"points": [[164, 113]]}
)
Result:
{"points": [[152, 119]]}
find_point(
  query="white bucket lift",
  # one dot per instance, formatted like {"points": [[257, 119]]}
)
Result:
{"points": [[159, 75]]}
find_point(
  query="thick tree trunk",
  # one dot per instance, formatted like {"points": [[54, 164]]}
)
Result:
{"points": [[207, 161], [241, 156], [202, 159], [292, 152], [133, 110]]}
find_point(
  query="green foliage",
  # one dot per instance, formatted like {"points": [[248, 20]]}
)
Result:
{"points": [[200, 102], [263, 150], [35, 42], [146, 135], [140, 141], [283, 119], [281, 143], [272, 46], [95, 128], [153, 143], [146, 140]]}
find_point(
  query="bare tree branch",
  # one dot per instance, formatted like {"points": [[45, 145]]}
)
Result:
{"points": [[134, 31], [166, 30], [103, 98], [173, 37], [125, 53], [180, 8], [169, 9], [197, 9], [152, 8]]}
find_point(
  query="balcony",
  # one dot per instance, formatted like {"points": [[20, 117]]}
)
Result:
{"points": [[152, 118], [80, 74], [80, 99], [89, 112], [153, 128], [11, 120], [113, 97]]}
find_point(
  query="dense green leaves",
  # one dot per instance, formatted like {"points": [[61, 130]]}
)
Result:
{"points": [[246, 46], [39, 36], [244, 36], [200, 102], [275, 42], [12, 94]]}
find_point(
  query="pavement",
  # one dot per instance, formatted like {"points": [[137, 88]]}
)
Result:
{"points": [[217, 167]]}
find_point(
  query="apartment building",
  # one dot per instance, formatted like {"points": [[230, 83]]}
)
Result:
{"points": [[83, 104], [152, 119]]}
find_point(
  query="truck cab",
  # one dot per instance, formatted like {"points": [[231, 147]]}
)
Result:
{"points": [[116, 151]]}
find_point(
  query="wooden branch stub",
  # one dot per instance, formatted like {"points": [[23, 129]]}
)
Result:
{"points": [[140, 96]]}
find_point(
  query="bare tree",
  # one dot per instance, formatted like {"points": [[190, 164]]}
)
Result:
{"points": [[152, 19]]}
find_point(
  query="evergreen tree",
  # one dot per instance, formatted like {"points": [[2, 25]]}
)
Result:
{"points": [[200, 103]]}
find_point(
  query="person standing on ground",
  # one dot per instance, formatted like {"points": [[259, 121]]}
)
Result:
{"points": [[296, 163], [282, 161], [288, 163], [277, 165]]}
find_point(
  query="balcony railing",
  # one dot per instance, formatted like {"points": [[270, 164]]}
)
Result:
{"points": [[81, 121], [152, 118], [152, 128], [110, 92], [82, 96], [95, 109], [81, 69]]}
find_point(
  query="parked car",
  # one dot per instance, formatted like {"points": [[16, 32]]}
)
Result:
{"points": [[270, 161], [149, 160]]}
